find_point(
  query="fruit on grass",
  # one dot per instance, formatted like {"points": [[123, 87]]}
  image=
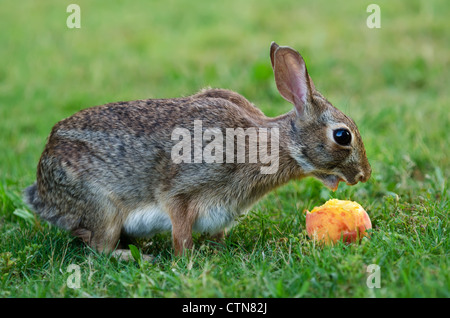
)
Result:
{"points": [[336, 220]]}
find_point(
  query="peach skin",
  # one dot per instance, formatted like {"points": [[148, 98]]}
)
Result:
{"points": [[337, 219]]}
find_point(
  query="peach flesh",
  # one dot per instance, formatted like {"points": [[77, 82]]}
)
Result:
{"points": [[337, 219]]}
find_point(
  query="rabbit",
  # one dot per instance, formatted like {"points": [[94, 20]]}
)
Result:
{"points": [[107, 172]]}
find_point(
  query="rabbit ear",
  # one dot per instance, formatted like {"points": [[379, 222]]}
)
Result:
{"points": [[273, 48], [291, 76]]}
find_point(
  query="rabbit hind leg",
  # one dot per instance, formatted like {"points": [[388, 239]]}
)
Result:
{"points": [[103, 239]]}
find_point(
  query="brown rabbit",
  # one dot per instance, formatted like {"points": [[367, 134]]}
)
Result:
{"points": [[110, 170]]}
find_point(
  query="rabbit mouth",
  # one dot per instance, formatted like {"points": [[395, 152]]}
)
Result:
{"points": [[331, 181]]}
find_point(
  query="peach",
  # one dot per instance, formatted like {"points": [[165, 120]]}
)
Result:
{"points": [[337, 219]]}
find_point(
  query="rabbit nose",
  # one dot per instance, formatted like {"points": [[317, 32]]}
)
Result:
{"points": [[361, 177]]}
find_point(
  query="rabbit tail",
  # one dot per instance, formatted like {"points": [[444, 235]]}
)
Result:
{"points": [[33, 200]]}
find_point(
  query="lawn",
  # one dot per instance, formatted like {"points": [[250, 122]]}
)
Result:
{"points": [[393, 81]]}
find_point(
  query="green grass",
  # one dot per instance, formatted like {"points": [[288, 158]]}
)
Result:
{"points": [[393, 81]]}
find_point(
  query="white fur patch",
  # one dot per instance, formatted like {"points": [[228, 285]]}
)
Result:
{"points": [[150, 220], [214, 220], [147, 221]]}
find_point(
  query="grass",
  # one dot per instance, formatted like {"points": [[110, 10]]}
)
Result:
{"points": [[392, 81]]}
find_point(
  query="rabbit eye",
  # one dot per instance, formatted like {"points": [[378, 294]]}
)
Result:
{"points": [[342, 136]]}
